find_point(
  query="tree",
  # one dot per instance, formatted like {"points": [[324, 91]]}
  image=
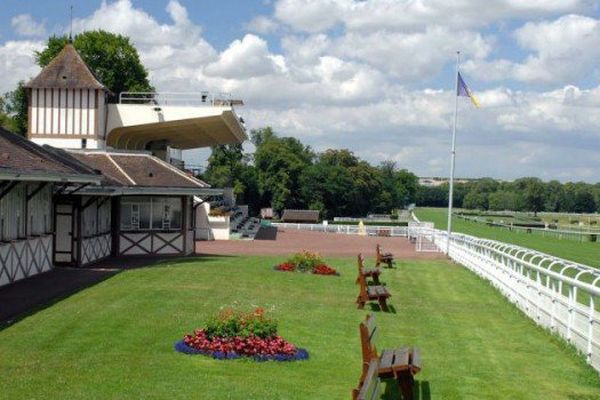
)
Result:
{"points": [[398, 187], [260, 136], [534, 194], [13, 110], [505, 200], [224, 165], [433, 196], [6, 121], [279, 163], [228, 166], [330, 187], [475, 200], [554, 196], [111, 57], [584, 201]]}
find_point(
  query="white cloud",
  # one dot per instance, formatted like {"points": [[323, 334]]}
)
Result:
{"points": [[412, 55], [321, 15], [25, 25], [261, 24], [17, 63], [362, 85], [245, 58], [305, 51], [172, 52], [310, 15], [561, 51]]}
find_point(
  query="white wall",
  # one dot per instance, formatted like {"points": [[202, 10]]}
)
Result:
{"points": [[69, 143], [210, 228], [24, 258], [67, 112]]}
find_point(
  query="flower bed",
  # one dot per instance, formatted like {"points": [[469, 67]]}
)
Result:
{"points": [[308, 262], [234, 334]]}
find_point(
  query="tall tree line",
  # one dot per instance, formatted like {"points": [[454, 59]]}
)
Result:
{"points": [[285, 173], [524, 194]]}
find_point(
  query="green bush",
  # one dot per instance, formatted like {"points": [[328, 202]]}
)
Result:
{"points": [[305, 261], [231, 323]]}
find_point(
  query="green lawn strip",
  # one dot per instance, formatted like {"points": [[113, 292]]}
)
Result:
{"points": [[587, 253], [115, 340]]}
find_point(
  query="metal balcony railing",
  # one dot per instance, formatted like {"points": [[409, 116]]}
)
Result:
{"points": [[203, 98]]}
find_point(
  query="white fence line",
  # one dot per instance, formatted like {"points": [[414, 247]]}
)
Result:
{"points": [[369, 230], [576, 235], [557, 294]]}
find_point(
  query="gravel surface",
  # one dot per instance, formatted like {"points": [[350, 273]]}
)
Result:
{"points": [[327, 244]]}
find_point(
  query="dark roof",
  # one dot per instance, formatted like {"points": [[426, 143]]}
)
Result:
{"points": [[300, 215], [23, 157], [110, 172], [136, 169], [66, 71]]}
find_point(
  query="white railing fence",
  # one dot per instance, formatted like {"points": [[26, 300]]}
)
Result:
{"points": [[203, 98], [368, 230], [590, 235], [560, 295], [557, 294]]}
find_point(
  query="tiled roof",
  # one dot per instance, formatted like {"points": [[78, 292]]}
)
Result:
{"points": [[66, 71], [111, 173], [136, 169], [300, 215], [22, 156]]}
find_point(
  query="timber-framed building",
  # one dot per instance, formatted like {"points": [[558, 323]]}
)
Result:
{"points": [[95, 179]]}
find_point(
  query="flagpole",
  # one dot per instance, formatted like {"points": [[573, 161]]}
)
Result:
{"points": [[452, 157]]}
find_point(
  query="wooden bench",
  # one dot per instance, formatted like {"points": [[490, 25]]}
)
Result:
{"points": [[401, 363], [369, 387], [385, 258], [371, 293], [372, 273]]}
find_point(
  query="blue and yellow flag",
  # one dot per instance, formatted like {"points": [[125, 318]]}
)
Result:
{"points": [[463, 90]]}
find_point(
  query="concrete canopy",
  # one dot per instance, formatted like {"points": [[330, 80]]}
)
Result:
{"points": [[132, 127]]}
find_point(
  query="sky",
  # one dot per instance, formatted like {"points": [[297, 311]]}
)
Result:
{"points": [[373, 76]]}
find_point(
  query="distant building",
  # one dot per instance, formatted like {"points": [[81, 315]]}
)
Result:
{"points": [[437, 181], [306, 216]]}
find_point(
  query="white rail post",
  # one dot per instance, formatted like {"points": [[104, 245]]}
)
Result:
{"points": [[555, 290], [572, 297], [539, 299], [590, 330]]}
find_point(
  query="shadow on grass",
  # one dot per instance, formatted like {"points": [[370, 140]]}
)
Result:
{"points": [[29, 296], [421, 390], [376, 308], [132, 262]]}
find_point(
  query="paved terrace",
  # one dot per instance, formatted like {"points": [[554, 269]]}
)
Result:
{"points": [[327, 244]]}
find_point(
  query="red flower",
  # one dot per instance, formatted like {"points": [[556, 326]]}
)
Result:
{"points": [[252, 345], [323, 269], [286, 266]]}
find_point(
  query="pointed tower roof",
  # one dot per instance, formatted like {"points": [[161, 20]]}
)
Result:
{"points": [[66, 71]]}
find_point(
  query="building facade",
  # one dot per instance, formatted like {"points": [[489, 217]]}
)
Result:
{"points": [[29, 177], [96, 179]]}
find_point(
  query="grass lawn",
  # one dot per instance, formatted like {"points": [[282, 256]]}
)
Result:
{"points": [[115, 340], [587, 253]]}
